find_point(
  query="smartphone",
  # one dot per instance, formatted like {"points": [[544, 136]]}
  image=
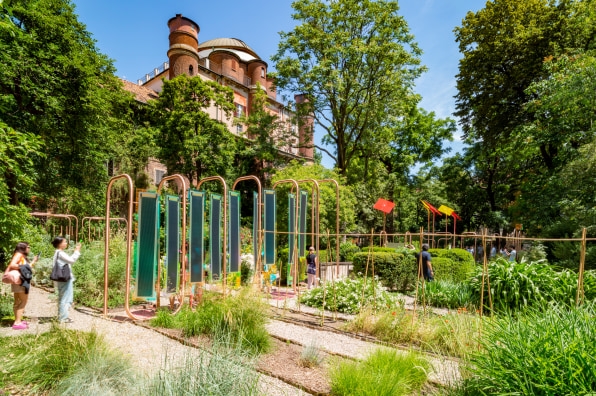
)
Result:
{"points": [[38, 255]]}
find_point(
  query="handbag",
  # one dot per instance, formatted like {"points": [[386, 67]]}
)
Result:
{"points": [[60, 273], [12, 277]]}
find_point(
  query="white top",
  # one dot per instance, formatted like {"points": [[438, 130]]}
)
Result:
{"points": [[63, 258]]}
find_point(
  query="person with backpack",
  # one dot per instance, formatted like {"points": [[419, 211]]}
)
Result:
{"points": [[65, 289], [311, 267], [20, 290]]}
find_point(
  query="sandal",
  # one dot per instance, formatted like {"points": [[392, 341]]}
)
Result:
{"points": [[20, 326]]}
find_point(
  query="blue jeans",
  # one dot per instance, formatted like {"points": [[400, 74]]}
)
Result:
{"points": [[65, 296]]}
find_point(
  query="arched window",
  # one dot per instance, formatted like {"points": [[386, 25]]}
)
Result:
{"points": [[262, 72], [191, 70]]}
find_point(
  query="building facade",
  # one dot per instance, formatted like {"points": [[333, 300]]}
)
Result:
{"points": [[230, 62]]}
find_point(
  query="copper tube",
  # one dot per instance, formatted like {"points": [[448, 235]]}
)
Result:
{"points": [[295, 184], [182, 180], [257, 260], [315, 211], [128, 245], [62, 216], [336, 221], [98, 218], [225, 221]]}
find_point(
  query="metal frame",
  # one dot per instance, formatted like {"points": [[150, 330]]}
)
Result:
{"points": [[256, 217], [181, 179], [62, 216], [336, 221], [224, 263], [295, 184], [128, 245], [119, 219]]}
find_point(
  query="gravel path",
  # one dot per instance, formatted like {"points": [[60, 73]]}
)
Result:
{"points": [[145, 347], [445, 371]]}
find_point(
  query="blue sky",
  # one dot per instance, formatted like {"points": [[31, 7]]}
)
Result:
{"points": [[135, 35]]}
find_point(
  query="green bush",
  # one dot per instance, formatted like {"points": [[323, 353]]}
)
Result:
{"points": [[455, 265], [347, 251], [282, 262], [447, 294], [396, 270], [378, 249], [239, 319], [550, 352], [349, 296], [384, 372]]}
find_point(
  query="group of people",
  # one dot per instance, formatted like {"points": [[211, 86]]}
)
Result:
{"points": [[20, 262]]}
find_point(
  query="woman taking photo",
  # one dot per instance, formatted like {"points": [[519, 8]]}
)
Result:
{"points": [[21, 295], [65, 289]]}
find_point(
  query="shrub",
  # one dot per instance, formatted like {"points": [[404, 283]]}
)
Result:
{"points": [[378, 249], [454, 265], [346, 295], [446, 294], [396, 270], [347, 251], [384, 372], [549, 352], [311, 356], [519, 285], [239, 318]]}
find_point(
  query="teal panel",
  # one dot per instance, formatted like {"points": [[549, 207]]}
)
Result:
{"points": [[234, 231], [291, 227], [255, 224], [196, 243], [269, 226], [172, 261], [148, 244], [215, 235], [302, 223]]}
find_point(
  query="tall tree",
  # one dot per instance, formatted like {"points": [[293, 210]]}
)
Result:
{"points": [[355, 62], [56, 85], [190, 141], [266, 137]]}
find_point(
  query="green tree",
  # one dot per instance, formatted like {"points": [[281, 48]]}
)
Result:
{"points": [[56, 85], [190, 141], [15, 164], [355, 62], [267, 136]]}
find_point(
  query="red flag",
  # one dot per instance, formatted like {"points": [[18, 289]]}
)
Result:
{"points": [[383, 205], [428, 206], [455, 216]]}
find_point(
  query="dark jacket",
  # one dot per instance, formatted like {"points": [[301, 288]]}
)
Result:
{"points": [[26, 276]]}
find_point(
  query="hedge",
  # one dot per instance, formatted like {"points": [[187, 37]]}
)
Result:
{"points": [[396, 270], [455, 265]]}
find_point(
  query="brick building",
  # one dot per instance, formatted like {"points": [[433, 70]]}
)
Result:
{"points": [[230, 62]]}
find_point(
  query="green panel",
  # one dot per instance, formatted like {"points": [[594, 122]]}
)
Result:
{"points": [[269, 226], [172, 243], [255, 224], [196, 245], [291, 227], [215, 235], [302, 223], [234, 231], [148, 244]]}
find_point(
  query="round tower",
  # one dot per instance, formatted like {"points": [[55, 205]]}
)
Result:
{"points": [[184, 41]]}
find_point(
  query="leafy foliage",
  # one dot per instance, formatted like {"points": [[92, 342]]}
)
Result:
{"points": [[384, 372], [447, 294], [349, 296], [546, 352], [454, 265], [395, 270], [190, 141]]}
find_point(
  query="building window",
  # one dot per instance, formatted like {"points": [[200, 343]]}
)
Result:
{"points": [[110, 167], [239, 128], [234, 66], [240, 110], [262, 72], [191, 70], [159, 174]]}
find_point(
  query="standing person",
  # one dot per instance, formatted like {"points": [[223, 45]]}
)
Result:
{"points": [[65, 289], [21, 293], [427, 267], [512, 253], [311, 269], [493, 251]]}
